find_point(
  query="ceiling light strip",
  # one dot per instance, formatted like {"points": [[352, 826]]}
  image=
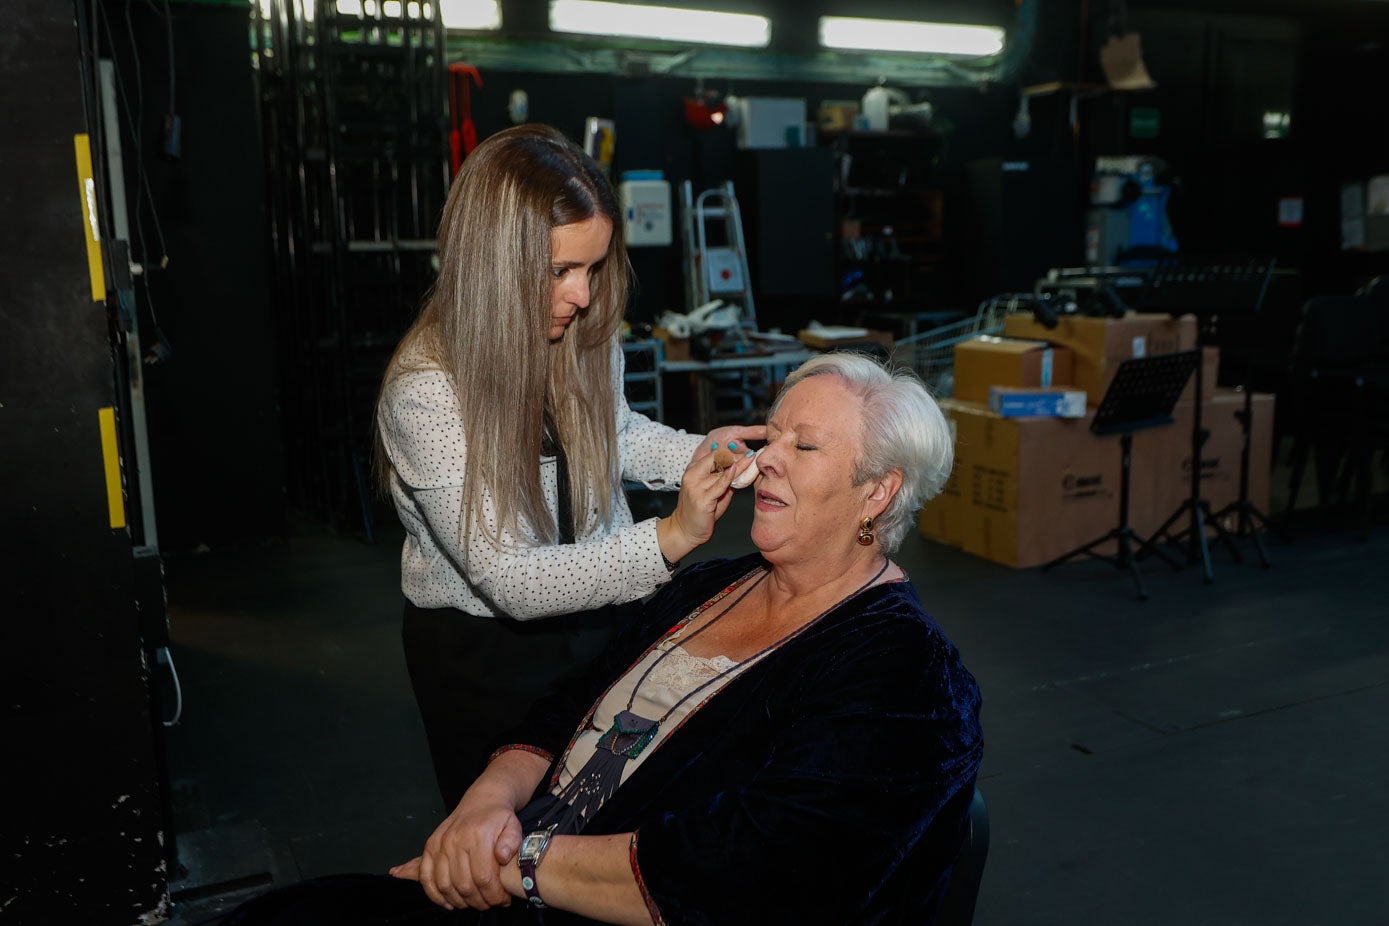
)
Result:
{"points": [[629, 20], [853, 34]]}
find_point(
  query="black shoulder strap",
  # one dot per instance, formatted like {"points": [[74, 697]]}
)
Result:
{"points": [[550, 444]]}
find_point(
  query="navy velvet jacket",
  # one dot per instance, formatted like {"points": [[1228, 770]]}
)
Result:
{"points": [[830, 783]]}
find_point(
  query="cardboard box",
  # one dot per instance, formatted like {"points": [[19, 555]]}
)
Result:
{"points": [[1162, 459], [1022, 402], [987, 361], [836, 115], [942, 518], [1099, 345], [868, 341], [1210, 372], [1026, 490], [675, 348]]}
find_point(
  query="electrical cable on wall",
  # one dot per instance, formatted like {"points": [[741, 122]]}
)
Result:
{"points": [[172, 144], [134, 124], [178, 688], [143, 187]]}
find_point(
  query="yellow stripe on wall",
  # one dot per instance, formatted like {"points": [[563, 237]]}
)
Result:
{"points": [[115, 498], [87, 184]]}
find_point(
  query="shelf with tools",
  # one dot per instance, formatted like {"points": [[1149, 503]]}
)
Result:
{"points": [[891, 219]]}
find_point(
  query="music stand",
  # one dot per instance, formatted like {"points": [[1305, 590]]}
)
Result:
{"points": [[1206, 288], [1142, 395], [1248, 518]]}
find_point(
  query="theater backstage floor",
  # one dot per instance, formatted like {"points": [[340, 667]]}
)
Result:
{"points": [[1217, 754]]}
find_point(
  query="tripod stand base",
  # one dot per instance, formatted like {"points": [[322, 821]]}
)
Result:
{"points": [[1198, 549], [1245, 514], [1130, 545]]}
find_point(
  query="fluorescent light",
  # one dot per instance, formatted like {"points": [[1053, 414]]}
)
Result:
{"points": [[471, 14], [592, 17], [460, 14], [901, 35]]}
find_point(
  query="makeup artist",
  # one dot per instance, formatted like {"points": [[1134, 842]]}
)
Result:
{"points": [[504, 441]]}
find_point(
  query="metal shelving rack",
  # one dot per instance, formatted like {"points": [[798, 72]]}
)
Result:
{"points": [[355, 127], [642, 380]]}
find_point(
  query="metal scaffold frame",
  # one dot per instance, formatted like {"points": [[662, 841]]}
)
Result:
{"points": [[354, 122]]}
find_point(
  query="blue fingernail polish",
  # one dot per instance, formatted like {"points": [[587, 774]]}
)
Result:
{"points": [[732, 445], [750, 453], [713, 446]]}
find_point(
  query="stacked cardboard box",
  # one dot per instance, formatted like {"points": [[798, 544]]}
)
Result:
{"points": [[1166, 456], [1027, 490], [987, 361], [1099, 345], [1023, 489]]}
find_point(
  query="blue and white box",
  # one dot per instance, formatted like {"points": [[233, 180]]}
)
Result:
{"points": [[1022, 402]]}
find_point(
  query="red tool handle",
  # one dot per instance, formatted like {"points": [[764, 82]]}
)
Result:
{"points": [[462, 132]]}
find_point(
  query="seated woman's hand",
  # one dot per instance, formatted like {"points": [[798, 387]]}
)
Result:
{"points": [[462, 860]]}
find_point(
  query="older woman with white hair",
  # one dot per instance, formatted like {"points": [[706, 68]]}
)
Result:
{"points": [[785, 737]]}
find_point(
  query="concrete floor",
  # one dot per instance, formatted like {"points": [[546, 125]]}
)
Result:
{"points": [[1214, 755]]}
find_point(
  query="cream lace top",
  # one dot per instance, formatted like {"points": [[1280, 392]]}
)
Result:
{"points": [[677, 675]]}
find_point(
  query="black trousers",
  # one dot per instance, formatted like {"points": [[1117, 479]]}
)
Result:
{"points": [[476, 677]]}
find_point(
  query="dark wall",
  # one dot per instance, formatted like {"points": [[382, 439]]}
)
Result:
{"points": [[81, 810], [212, 400], [1341, 131], [1218, 70], [652, 133]]}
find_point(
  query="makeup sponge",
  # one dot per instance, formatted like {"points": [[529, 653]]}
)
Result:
{"points": [[745, 478]]}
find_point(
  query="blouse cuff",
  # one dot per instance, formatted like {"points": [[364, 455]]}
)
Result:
{"points": [[523, 747], [646, 897], [649, 563]]}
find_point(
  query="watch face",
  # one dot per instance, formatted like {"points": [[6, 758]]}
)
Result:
{"points": [[530, 846]]}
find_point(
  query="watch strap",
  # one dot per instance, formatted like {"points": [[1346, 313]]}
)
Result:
{"points": [[529, 859]]}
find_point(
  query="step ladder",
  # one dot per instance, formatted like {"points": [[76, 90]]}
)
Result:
{"points": [[716, 257], [716, 267]]}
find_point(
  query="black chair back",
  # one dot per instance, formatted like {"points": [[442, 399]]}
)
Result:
{"points": [[957, 909]]}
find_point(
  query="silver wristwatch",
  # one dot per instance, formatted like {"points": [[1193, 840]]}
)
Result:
{"points": [[532, 851]]}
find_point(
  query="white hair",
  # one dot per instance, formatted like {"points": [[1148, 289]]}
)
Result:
{"points": [[903, 430]]}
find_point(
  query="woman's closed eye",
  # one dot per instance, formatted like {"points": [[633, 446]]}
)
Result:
{"points": [[560, 270]]}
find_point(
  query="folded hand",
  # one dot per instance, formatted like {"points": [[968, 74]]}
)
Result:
{"points": [[462, 860]]}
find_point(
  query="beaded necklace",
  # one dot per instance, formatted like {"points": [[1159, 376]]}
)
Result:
{"points": [[631, 733]]}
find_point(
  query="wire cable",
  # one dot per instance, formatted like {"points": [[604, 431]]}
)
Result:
{"points": [[143, 190], [133, 118], [137, 116], [169, 36], [178, 688]]}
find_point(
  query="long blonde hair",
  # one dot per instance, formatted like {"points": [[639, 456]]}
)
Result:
{"points": [[486, 323]]}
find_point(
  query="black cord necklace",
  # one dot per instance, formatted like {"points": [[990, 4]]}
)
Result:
{"points": [[631, 733]]}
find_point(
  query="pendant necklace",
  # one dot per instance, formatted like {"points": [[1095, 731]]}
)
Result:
{"points": [[631, 733]]}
